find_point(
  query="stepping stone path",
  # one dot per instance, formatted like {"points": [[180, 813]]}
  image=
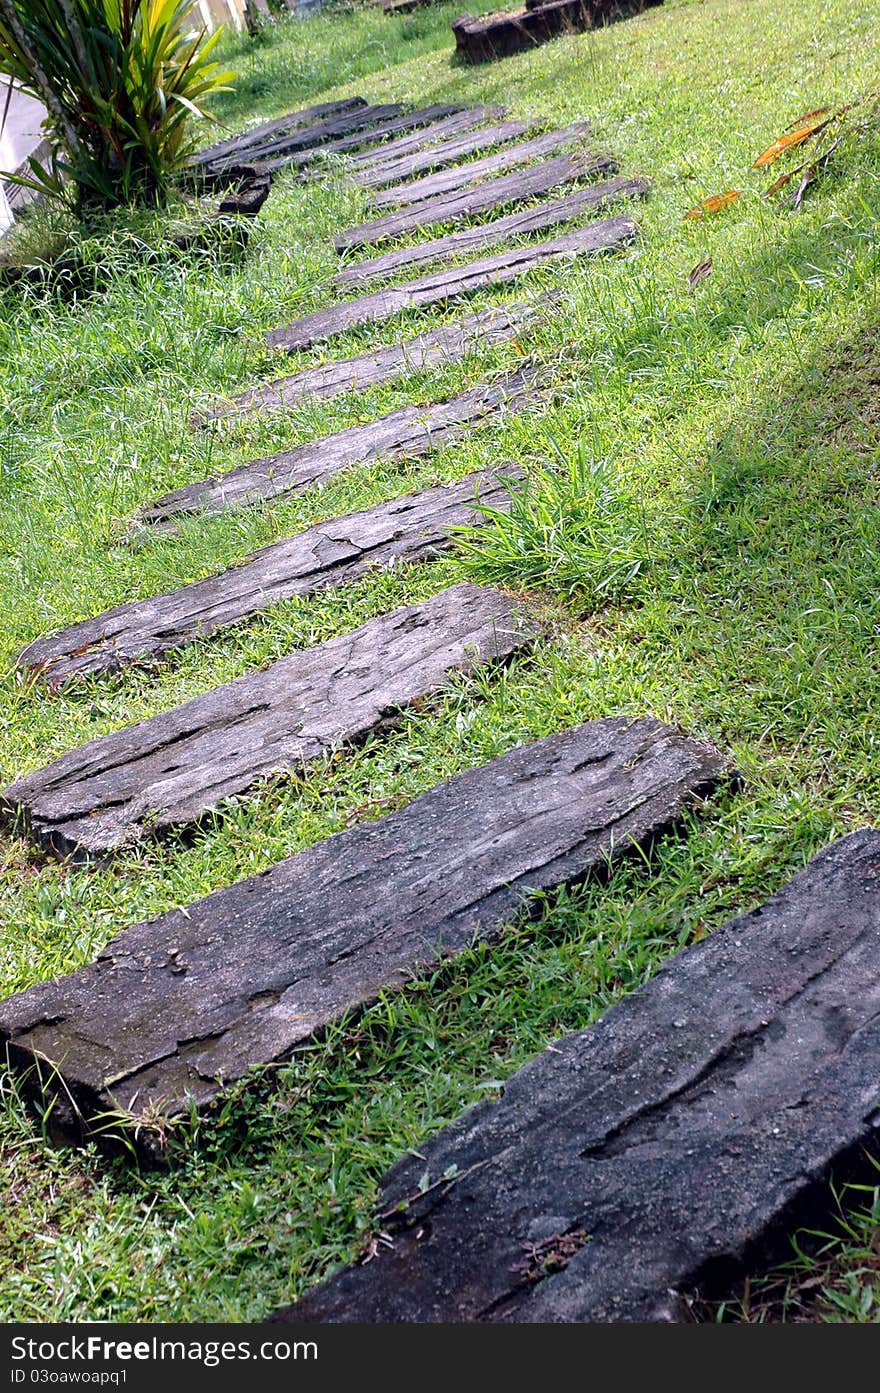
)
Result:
{"points": [[404, 530], [376, 366], [478, 198], [611, 234], [481, 40], [264, 144], [630, 1162], [423, 139], [661, 1149], [499, 162], [408, 432], [170, 770], [342, 129], [535, 218], [177, 1008], [373, 134], [239, 147], [395, 171]]}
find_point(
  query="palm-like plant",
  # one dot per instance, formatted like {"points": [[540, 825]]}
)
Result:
{"points": [[120, 80]]}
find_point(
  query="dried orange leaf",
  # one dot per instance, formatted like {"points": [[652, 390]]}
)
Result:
{"points": [[808, 116], [788, 141], [781, 182], [713, 204], [699, 273]]}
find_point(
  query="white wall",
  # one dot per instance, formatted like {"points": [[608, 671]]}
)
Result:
{"points": [[213, 13], [5, 212]]}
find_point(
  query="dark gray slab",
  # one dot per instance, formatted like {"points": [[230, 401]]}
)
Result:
{"points": [[369, 369], [440, 130], [407, 432], [238, 145], [662, 1149], [488, 37], [170, 770], [442, 286], [490, 167], [373, 134], [518, 187], [536, 218], [173, 1008], [404, 530], [289, 143], [439, 156]]}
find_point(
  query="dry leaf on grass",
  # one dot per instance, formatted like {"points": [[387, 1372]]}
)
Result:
{"points": [[790, 140], [810, 172], [808, 116], [713, 204], [780, 183], [699, 273]]}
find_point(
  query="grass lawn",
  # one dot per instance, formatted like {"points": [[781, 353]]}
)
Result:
{"points": [[724, 441]]}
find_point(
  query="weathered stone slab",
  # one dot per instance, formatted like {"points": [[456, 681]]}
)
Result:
{"points": [[536, 218], [237, 146], [332, 553], [248, 198], [518, 187], [268, 155], [446, 344], [373, 134], [665, 1147], [483, 39], [489, 167], [440, 287], [174, 1008], [409, 431], [170, 770], [417, 140], [443, 154]]}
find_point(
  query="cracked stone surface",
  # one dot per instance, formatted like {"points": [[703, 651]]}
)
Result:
{"points": [[501, 161], [405, 433], [438, 155], [170, 770], [660, 1149], [404, 530], [377, 365], [175, 1008], [414, 141], [536, 218], [477, 198], [610, 234], [240, 146]]}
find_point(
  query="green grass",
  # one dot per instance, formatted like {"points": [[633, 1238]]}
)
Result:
{"points": [[739, 426], [833, 1276]]}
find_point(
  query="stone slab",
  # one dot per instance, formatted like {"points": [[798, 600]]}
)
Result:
{"points": [[170, 770], [174, 1009]]}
